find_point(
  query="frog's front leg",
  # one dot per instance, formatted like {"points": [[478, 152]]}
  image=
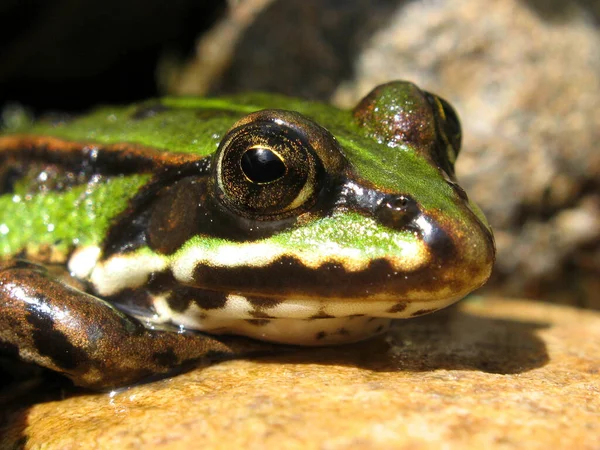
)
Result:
{"points": [[69, 331]]}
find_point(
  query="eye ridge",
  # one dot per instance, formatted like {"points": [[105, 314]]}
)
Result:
{"points": [[261, 165]]}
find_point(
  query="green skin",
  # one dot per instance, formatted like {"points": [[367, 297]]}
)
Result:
{"points": [[398, 142]]}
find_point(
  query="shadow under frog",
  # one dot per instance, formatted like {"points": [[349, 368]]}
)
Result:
{"points": [[451, 340]]}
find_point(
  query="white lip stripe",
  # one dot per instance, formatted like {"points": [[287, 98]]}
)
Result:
{"points": [[126, 271], [261, 254], [83, 260]]}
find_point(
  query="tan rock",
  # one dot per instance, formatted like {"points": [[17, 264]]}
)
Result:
{"points": [[488, 374]]}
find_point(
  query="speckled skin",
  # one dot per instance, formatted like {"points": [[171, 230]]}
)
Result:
{"points": [[258, 215]]}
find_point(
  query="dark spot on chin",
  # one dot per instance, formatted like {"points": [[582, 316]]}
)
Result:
{"points": [[260, 315], [343, 332], [320, 335], [398, 307], [258, 322], [379, 329], [321, 315], [422, 312]]}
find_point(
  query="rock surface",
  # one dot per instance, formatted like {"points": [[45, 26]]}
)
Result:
{"points": [[486, 374]]}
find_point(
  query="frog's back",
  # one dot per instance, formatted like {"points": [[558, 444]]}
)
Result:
{"points": [[189, 125], [63, 181]]}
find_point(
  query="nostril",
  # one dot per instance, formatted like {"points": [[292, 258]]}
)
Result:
{"points": [[399, 203], [397, 211]]}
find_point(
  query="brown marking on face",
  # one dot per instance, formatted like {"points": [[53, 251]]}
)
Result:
{"points": [[179, 297], [175, 216], [288, 277], [161, 282], [206, 299], [162, 214], [451, 267], [213, 113], [128, 157], [41, 177], [263, 302]]}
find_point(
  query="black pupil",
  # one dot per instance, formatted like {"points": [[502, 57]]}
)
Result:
{"points": [[261, 165]]}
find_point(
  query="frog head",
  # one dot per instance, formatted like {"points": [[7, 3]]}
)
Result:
{"points": [[306, 213], [329, 214]]}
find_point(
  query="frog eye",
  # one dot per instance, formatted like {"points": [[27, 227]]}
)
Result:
{"points": [[266, 167]]}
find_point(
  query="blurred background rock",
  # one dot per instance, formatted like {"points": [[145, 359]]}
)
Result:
{"points": [[523, 74]]}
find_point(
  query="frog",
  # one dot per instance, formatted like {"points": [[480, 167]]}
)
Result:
{"points": [[141, 238]]}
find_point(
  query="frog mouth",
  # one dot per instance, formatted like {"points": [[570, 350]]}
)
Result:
{"points": [[320, 332], [227, 307], [288, 320]]}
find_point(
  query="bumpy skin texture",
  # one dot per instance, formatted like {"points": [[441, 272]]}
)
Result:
{"points": [[255, 215]]}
